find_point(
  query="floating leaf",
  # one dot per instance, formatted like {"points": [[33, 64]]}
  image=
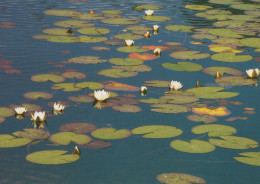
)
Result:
{"points": [[202, 118], [189, 55], [221, 32], [93, 31], [181, 28], [157, 18], [52, 157], [170, 108], [78, 128], [62, 39], [88, 39], [251, 42], [65, 138], [146, 6], [138, 29], [66, 87], [183, 66], [179, 178], [88, 16], [31, 107], [230, 57], [135, 68], [225, 1], [213, 70], [243, 17], [112, 85], [81, 98], [220, 111], [211, 92], [198, 7], [86, 60], [57, 31], [114, 12], [110, 133], [120, 21], [2, 119], [220, 48], [127, 108], [235, 81], [180, 98], [115, 42], [6, 112], [251, 158], [234, 142], [97, 144], [100, 48], [72, 75], [73, 23], [125, 61], [144, 56], [157, 131], [204, 36], [37, 94], [9, 141], [214, 130], [90, 85], [116, 73], [194, 146], [127, 36], [154, 100], [156, 83], [47, 77], [32, 133], [62, 13], [131, 49]]}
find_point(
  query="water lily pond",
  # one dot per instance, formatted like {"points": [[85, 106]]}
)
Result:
{"points": [[126, 92]]}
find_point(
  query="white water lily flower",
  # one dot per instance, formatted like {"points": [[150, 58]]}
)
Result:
{"points": [[157, 51], [175, 85], [252, 73], [39, 116], [20, 110], [58, 107], [155, 28], [129, 42], [149, 12], [101, 95]]}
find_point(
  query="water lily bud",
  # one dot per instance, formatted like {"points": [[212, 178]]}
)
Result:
{"points": [[147, 34], [218, 74], [157, 52], [91, 11], [76, 150]]}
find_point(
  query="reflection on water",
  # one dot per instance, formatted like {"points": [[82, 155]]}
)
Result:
{"points": [[131, 159]]}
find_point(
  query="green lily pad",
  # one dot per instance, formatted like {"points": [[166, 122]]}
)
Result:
{"points": [[120, 21], [228, 41], [157, 83], [225, 1], [189, 55], [170, 108], [90, 85], [86, 60], [202, 118], [197, 7], [93, 31], [81, 98], [181, 28], [117, 73], [146, 7], [157, 131], [127, 108], [110, 133], [126, 36], [230, 24], [180, 98], [251, 42], [88, 16], [52, 157], [157, 18], [9, 141], [126, 61], [131, 49], [78, 128], [72, 75], [228, 70], [227, 33], [137, 28], [62, 39], [114, 12], [57, 31], [154, 100], [6, 112], [31, 107], [66, 87], [34, 95], [204, 36], [73, 23], [65, 138], [211, 92], [194, 146], [234, 142], [179, 178], [214, 130], [183, 66], [253, 12], [243, 17], [251, 158], [230, 57], [235, 81], [47, 77], [62, 13], [135, 68], [32, 133], [88, 39]]}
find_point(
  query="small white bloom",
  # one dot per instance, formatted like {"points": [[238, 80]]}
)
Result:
{"points": [[149, 12], [20, 110], [157, 51], [252, 73], [175, 85], [129, 42], [143, 89], [155, 28], [58, 107], [39, 116], [101, 95]]}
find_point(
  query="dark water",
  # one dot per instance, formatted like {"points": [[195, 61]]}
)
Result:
{"points": [[128, 161]]}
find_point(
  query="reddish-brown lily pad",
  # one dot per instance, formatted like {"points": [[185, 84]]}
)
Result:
{"points": [[97, 144], [34, 95], [32, 133], [144, 56], [82, 98], [78, 128], [71, 75], [112, 85], [127, 108]]}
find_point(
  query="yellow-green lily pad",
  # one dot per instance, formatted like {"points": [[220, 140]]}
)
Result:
{"points": [[93, 31], [157, 18], [131, 49], [62, 13], [66, 87], [87, 60], [234, 142], [113, 12], [52, 157], [179, 178], [180, 98], [57, 31], [251, 42], [227, 33], [194, 146], [181, 28], [228, 70], [225, 1], [235, 81], [65, 138], [244, 6], [47, 77], [78, 128], [72, 75], [9, 141], [154, 100], [73, 23], [189, 55], [31, 107], [110, 133], [204, 36], [183, 66], [127, 108], [202, 118], [91, 39], [117, 73], [126, 36], [134, 68], [251, 158], [243, 17], [157, 131], [125, 61], [120, 21], [170, 108], [146, 7], [81, 98], [62, 39], [157, 83], [90, 85], [32, 133], [138, 28], [6, 112], [197, 7], [214, 130], [34, 95], [88, 16], [230, 57]]}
